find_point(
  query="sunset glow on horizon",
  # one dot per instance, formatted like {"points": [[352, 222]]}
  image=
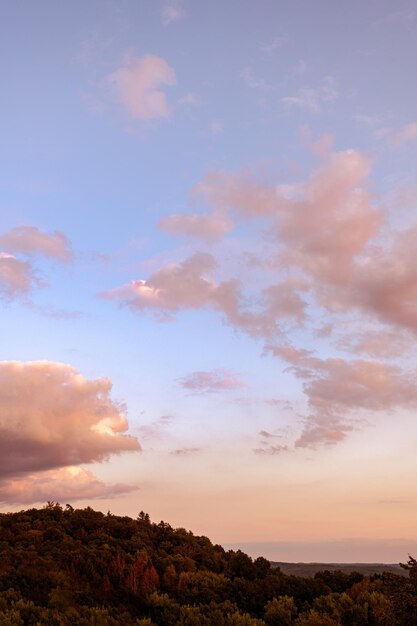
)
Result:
{"points": [[208, 269]]}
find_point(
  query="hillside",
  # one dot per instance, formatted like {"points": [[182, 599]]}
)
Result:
{"points": [[64, 566]]}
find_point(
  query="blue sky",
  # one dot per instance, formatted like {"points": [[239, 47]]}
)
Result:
{"points": [[208, 216]]}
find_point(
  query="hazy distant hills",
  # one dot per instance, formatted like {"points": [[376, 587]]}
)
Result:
{"points": [[366, 569]]}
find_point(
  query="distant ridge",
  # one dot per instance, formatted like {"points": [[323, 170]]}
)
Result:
{"points": [[307, 570]]}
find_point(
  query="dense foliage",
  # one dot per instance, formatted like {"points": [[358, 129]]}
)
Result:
{"points": [[62, 567]]}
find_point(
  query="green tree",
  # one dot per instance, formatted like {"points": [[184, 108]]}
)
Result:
{"points": [[280, 611]]}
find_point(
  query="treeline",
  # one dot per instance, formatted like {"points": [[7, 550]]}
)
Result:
{"points": [[64, 566]]}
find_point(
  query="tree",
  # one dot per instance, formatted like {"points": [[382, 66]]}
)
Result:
{"points": [[280, 611], [411, 566]]}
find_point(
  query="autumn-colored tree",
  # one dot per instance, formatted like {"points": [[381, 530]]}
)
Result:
{"points": [[280, 611]]}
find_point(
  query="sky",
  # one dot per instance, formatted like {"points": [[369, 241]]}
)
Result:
{"points": [[208, 278]]}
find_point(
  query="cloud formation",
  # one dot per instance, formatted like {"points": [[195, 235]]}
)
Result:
{"points": [[67, 484], [217, 380], [53, 417], [185, 451], [157, 429], [314, 99], [331, 250], [191, 286], [207, 228], [405, 134], [238, 193], [138, 84], [172, 288], [17, 277], [172, 11], [271, 450], [333, 195], [30, 241], [383, 343], [340, 392]]}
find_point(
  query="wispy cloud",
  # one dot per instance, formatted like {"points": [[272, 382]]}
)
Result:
{"points": [[157, 429], [337, 389], [218, 380], [265, 434], [314, 99], [30, 241], [138, 86], [172, 11], [216, 127], [205, 227], [271, 450], [271, 46], [401, 17], [18, 276], [405, 134], [368, 120], [189, 99], [379, 343], [252, 81], [185, 451]]}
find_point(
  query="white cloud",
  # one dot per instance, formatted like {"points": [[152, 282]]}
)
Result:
{"points": [[314, 99]]}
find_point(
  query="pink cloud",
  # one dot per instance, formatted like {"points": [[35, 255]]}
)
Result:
{"points": [[185, 451], [29, 240], [323, 431], [66, 484], [17, 277], [271, 450], [156, 429], [406, 134], [384, 283], [191, 286], [332, 220], [335, 195], [138, 86], [52, 417], [320, 147], [339, 391], [238, 192], [332, 233], [214, 381], [172, 288], [283, 300], [205, 227], [333, 248], [323, 229], [382, 343]]}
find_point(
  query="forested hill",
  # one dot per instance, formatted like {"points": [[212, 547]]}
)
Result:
{"points": [[78, 567]]}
